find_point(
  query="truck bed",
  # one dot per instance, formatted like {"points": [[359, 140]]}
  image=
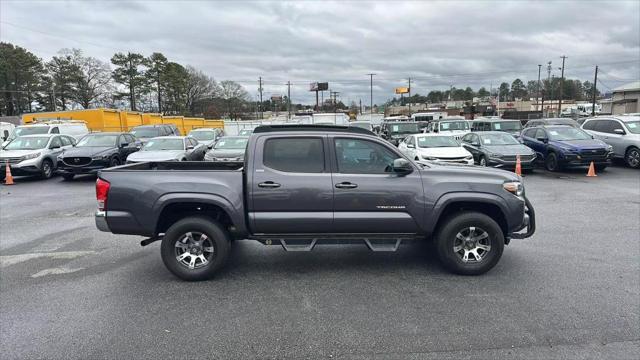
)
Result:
{"points": [[141, 194]]}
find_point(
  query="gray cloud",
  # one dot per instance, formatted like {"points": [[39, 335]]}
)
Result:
{"points": [[438, 44]]}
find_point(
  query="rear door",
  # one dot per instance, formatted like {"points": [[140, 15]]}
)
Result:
{"points": [[291, 186], [368, 196]]}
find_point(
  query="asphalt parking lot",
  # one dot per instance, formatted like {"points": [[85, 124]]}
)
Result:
{"points": [[570, 291]]}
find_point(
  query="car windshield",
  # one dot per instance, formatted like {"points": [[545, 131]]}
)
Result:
{"points": [[27, 143], [567, 133], [231, 143], [146, 132], [202, 135], [163, 144], [245, 132], [436, 141], [98, 140], [498, 139], [506, 126], [633, 126], [31, 130], [362, 125], [410, 128], [563, 122], [454, 125]]}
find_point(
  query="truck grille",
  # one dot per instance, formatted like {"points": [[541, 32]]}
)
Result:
{"points": [[11, 160], [593, 152], [77, 161]]}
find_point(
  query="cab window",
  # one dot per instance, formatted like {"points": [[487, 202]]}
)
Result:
{"points": [[357, 156], [299, 155]]}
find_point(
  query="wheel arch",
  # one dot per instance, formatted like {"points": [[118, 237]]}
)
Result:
{"points": [[488, 204]]}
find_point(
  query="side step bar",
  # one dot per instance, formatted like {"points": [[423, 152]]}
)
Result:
{"points": [[377, 244]]}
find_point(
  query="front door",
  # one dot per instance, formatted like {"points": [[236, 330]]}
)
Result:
{"points": [[291, 185], [368, 196]]}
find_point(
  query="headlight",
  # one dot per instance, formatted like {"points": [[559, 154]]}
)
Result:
{"points": [[429, 158], [514, 187], [101, 157], [468, 157], [30, 156], [495, 155], [609, 148]]}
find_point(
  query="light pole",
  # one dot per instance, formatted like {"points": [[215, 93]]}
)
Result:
{"points": [[371, 96]]}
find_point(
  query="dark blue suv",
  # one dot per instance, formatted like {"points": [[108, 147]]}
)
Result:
{"points": [[562, 146]]}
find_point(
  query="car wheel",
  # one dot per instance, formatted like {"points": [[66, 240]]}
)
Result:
{"points": [[68, 177], [114, 162], [483, 161], [194, 248], [632, 158], [417, 159], [600, 167], [47, 169], [469, 243], [551, 162]]}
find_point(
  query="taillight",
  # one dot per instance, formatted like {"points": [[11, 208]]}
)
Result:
{"points": [[102, 191]]}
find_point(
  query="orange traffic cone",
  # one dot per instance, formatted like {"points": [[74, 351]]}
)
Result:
{"points": [[592, 170], [8, 179], [518, 166]]}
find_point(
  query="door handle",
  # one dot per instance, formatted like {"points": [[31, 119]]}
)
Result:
{"points": [[346, 185], [269, 185]]}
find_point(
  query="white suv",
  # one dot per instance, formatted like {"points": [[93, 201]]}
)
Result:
{"points": [[77, 129], [622, 132]]}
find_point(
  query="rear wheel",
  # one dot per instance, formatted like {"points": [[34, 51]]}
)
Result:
{"points": [[470, 243], [632, 158], [551, 162], [194, 248], [47, 169]]}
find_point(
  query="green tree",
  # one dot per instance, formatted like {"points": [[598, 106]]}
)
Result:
{"points": [[157, 64], [587, 88], [174, 82], [65, 73], [518, 90], [130, 72], [468, 93], [21, 79], [482, 92], [503, 92]]}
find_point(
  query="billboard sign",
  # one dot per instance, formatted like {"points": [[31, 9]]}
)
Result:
{"points": [[316, 86], [402, 90]]}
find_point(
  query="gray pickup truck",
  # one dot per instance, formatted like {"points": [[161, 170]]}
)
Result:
{"points": [[305, 185]]}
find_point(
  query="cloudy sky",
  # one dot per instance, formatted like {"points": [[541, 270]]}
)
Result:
{"points": [[437, 44]]}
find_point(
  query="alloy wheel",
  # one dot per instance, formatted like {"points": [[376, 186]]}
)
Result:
{"points": [[194, 250], [633, 158], [472, 244]]}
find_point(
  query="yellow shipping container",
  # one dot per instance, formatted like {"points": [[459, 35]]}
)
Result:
{"points": [[131, 119], [151, 118], [96, 119], [176, 120]]}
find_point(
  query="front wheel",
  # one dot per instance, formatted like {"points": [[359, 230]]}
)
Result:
{"points": [[114, 162], [483, 161], [470, 243], [632, 158], [600, 167], [47, 169], [551, 162], [195, 248]]}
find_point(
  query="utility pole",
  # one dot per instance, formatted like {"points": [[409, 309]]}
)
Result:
{"points": [[53, 97], [289, 98], [360, 106], [593, 96], [561, 86], [371, 97], [538, 92], [260, 90], [132, 94], [409, 97]]}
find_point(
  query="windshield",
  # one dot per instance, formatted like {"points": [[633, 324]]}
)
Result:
{"points": [[31, 130], [506, 126], [454, 125], [163, 144], [498, 139], [98, 140], [410, 128], [203, 135], [146, 132], [633, 126], [436, 141], [231, 143], [568, 133], [563, 122], [362, 125], [27, 143]]}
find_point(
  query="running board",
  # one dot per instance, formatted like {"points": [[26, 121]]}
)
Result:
{"points": [[307, 244], [384, 246], [298, 247]]}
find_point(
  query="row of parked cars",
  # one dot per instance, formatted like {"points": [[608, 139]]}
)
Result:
{"points": [[556, 143], [69, 150]]}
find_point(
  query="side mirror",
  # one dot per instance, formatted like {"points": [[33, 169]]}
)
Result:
{"points": [[210, 146], [124, 145], [619, 131], [402, 166], [411, 146], [54, 147], [543, 139], [190, 147]]}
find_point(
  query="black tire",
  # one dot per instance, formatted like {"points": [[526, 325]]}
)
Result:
{"points": [[68, 177], [482, 161], [600, 167], [417, 159], [446, 239], [551, 162], [114, 162], [47, 169], [220, 241], [632, 158]]}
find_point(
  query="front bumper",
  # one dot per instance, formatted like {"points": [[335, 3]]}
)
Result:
{"points": [[451, 161], [501, 163], [579, 161], [528, 222], [25, 167], [92, 168]]}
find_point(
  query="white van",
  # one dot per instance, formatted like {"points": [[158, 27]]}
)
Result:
{"points": [[75, 128]]}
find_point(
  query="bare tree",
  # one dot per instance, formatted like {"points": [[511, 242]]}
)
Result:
{"points": [[234, 96], [94, 84], [199, 88]]}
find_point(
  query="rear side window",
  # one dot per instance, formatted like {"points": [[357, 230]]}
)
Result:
{"points": [[529, 133], [590, 125], [302, 155], [55, 130], [65, 141]]}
